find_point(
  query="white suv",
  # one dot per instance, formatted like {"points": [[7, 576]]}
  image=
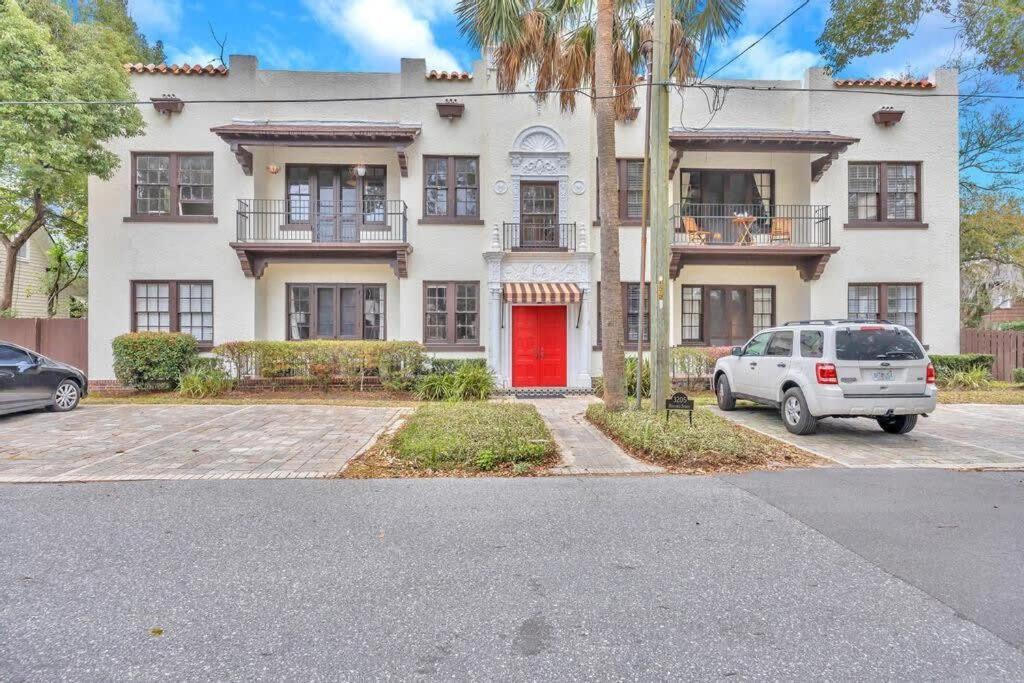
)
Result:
{"points": [[831, 368]]}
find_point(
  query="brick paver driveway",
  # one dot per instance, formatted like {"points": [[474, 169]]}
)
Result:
{"points": [[958, 435], [104, 443]]}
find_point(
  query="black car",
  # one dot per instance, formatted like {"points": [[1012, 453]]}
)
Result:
{"points": [[29, 380]]}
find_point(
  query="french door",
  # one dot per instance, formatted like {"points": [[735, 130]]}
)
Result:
{"points": [[336, 200], [538, 346]]}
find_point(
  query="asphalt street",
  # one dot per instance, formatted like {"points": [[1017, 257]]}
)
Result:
{"points": [[911, 574]]}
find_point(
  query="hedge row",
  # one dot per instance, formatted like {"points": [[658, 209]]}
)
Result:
{"points": [[961, 362], [153, 360]]}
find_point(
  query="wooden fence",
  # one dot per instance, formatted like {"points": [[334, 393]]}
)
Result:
{"points": [[1006, 346], [63, 339]]}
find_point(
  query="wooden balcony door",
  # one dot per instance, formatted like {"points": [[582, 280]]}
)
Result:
{"points": [[336, 200], [730, 315]]}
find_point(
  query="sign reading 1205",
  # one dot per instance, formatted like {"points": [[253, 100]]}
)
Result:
{"points": [[679, 401]]}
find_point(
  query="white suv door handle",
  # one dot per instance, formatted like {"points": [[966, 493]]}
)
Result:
{"points": [[753, 363], [781, 365]]}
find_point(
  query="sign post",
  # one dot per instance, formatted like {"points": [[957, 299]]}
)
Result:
{"points": [[679, 401]]}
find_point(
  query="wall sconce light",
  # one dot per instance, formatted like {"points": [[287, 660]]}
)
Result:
{"points": [[360, 170], [273, 169]]}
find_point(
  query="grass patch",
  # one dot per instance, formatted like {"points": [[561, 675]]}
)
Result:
{"points": [[997, 392], [462, 439], [712, 444], [333, 397]]}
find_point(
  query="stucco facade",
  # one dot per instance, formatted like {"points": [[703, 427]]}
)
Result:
{"points": [[518, 141]]}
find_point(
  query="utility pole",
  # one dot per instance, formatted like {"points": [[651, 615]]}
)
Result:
{"points": [[661, 310]]}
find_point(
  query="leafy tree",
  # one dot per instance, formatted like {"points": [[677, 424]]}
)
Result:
{"points": [[48, 151], [994, 29], [566, 46], [991, 250], [133, 46], [66, 266]]}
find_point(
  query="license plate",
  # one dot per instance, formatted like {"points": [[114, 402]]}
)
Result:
{"points": [[883, 375]]}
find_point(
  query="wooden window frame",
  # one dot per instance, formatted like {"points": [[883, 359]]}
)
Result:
{"points": [[172, 305], [621, 164], [883, 199], [700, 316], [451, 218], [451, 292], [336, 286], [174, 188], [630, 343], [771, 181], [314, 193], [883, 300], [704, 301]]}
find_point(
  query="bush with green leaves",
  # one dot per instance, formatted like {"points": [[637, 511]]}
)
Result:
{"points": [[8, 313], [696, 363], [435, 387], [969, 380], [206, 378], [1018, 376], [1013, 326], [960, 362], [153, 360], [449, 366], [471, 381]]}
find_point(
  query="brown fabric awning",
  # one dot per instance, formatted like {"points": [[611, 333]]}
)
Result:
{"points": [[542, 293]]}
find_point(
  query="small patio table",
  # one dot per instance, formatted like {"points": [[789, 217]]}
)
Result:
{"points": [[744, 221]]}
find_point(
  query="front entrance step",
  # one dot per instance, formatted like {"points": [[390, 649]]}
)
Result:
{"points": [[542, 392]]}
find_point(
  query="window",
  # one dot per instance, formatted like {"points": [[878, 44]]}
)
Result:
{"points": [[630, 312], [451, 313], [333, 311], [23, 252], [451, 189], [538, 214], [693, 303], [812, 343], [10, 355], [757, 345], [174, 306], [325, 192], [172, 186], [631, 191], [884, 192], [764, 308], [781, 344], [897, 303], [752, 191]]}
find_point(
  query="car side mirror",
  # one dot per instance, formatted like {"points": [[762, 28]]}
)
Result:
{"points": [[927, 347], [736, 351]]}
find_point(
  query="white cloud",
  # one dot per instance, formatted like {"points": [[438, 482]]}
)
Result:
{"points": [[380, 32], [192, 56], [156, 16], [769, 60]]}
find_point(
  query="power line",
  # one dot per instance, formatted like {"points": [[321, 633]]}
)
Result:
{"points": [[781, 22]]}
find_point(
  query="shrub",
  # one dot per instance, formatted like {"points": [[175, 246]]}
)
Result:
{"points": [[948, 364], [205, 379], [472, 382], [395, 363], [1013, 326], [449, 366], [7, 313], [974, 378], [645, 377], [153, 360], [695, 363], [1018, 375], [435, 387]]}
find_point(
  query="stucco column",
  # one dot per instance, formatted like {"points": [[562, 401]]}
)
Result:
{"points": [[583, 334], [493, 260]]}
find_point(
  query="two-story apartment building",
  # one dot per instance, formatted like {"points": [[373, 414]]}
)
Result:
{"points": [[416, 206]]}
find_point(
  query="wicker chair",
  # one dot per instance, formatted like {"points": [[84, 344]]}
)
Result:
{"points": [[782, 230], [694, 235]]}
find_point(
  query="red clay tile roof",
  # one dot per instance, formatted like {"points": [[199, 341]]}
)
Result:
{"points": [[435, 75], [177, 70], [923, 84]]}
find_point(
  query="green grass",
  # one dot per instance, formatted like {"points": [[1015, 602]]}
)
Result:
{"points": [[996, 392], [473, 436], [711, 444]]}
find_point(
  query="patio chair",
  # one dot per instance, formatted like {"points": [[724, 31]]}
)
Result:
{"points": [[694, 235], [782, 230]]}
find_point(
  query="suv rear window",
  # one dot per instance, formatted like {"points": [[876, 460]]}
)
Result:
{"points": [[883, 344]]}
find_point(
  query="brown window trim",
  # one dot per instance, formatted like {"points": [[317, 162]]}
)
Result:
{"points": [[172, 305], [630, 343], [337, 309], [883, 198], [704, 332], [173, 186], [451, 217], [710, 169], [624, 220], [314, 193], [450, 344], [883, 300]]}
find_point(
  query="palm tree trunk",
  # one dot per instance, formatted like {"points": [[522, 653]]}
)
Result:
{"points": [[612, 337]]}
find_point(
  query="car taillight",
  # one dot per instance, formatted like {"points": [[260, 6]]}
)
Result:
{"points": [[929, 375], [826, 373], [871, 328]]}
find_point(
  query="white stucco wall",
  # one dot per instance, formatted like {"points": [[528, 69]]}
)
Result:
{"points": [[246, 308]]}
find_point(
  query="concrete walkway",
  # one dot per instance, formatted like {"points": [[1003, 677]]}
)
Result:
{"points": [[585, 449]]}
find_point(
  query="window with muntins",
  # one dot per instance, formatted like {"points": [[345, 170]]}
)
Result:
{"points": [[451, 188], [174, 306], [884, 192], [172, 185], [630, 312], [336, 311], [451, 313], [896, 302]]}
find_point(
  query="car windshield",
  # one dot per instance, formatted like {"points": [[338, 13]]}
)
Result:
{"points": [[877, 344]]}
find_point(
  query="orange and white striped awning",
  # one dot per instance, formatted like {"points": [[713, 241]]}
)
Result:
{"points": [[542, 293]]}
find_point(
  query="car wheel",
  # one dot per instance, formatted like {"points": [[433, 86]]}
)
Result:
{"points": [[66, 397], [726, 399], [898, 424], [795, 414]]}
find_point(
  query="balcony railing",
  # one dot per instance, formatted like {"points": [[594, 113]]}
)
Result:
{"points": [[797, 225], [291, 221], [542, 237]]}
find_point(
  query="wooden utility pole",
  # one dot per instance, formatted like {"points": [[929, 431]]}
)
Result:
{"points": [[644, 218], [661, 308]]}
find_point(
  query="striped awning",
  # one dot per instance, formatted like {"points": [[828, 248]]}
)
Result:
{"points": [[542, 293]]}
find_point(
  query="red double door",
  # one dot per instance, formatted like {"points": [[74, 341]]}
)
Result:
{"points": [[538, 346]]}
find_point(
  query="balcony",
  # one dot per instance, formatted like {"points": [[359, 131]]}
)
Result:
{"points": [[752, 234], [367, 230], [538, 237]]}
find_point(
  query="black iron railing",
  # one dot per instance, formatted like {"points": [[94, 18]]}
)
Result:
{"points": [[279, 220], [539, 237], [798, 225]]}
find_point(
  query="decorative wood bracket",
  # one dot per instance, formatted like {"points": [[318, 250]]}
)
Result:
{"points": [[403, 163], [813, 267], [401, 264], [887, 116], [822, 164], [677, 156], [632, 114], [243, 156], [168, 104], [450, 109]]}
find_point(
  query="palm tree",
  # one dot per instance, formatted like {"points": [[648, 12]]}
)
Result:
{"points": [[573, 47]]}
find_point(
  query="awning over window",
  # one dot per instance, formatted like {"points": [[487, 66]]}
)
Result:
{"points": [[542, 293]]}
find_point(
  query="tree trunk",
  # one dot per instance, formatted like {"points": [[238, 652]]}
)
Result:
{"points": [[10, 265], [11, 245], [612, 337]]}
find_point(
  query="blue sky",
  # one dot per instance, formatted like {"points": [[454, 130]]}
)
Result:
{"points": [[372, 35]]}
